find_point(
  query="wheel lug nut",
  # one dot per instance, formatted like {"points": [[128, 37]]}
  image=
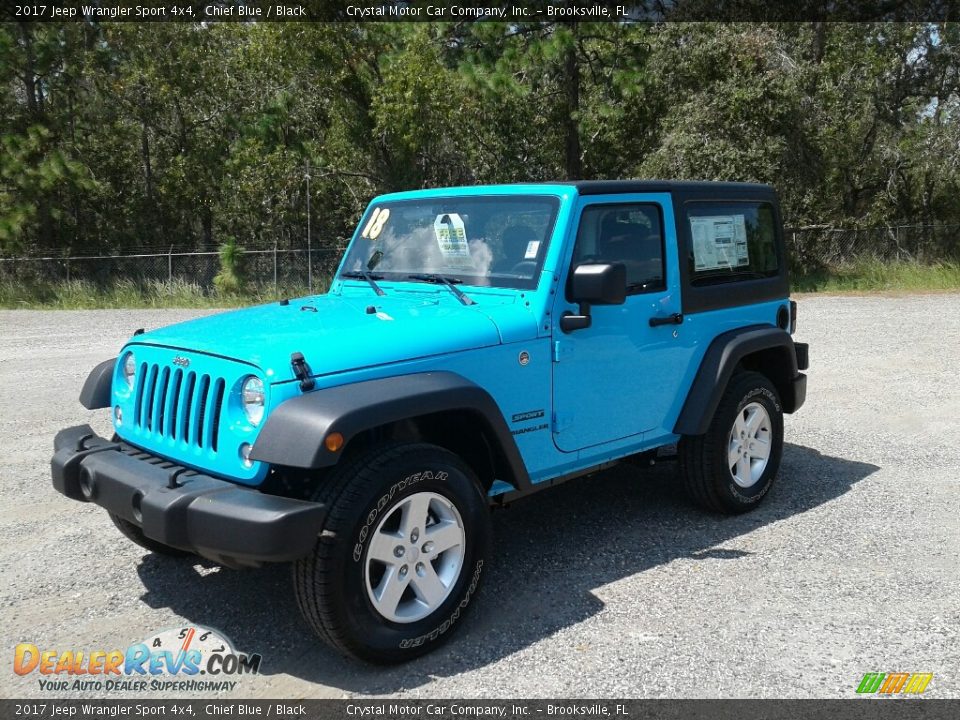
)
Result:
{"points": [[398, 551], [415, 535], [420, 569], [428, 546], [403, 571]]}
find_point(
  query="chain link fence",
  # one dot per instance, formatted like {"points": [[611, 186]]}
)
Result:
{"points": [[823, 248], [262, 269], [812, 249]]}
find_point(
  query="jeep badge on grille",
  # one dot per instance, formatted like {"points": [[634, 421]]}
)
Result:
{"points": [[181, 361]]}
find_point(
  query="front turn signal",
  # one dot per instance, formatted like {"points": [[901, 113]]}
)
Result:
{"points": [[333, 441]]}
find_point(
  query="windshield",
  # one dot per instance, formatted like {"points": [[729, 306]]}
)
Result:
{"points": [[497, 241]]}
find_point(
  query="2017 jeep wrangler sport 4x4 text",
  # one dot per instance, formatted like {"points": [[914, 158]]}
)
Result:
{"points": [[476, 345]]}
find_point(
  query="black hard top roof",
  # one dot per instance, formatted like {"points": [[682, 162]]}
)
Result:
{"points": [[687, 187]]}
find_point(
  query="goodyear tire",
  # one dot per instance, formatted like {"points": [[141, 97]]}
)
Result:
{"points": [[134, 533], [731, 467], [400, 555]]}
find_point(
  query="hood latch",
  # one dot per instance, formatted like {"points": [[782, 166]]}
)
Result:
{"points": [[302, 371]]}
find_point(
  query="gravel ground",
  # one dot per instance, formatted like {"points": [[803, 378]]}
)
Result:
{"points": [[611, 586]]}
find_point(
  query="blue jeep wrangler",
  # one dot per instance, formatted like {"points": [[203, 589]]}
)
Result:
{"points": [[476, 345]]}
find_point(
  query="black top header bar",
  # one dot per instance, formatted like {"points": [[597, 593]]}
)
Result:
{"points": [[479, 11], [709, 187]]}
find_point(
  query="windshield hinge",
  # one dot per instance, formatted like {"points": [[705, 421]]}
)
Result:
{"points": [[302, 371]]}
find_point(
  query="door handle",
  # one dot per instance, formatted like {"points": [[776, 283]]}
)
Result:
{"points": [[675, 319]]}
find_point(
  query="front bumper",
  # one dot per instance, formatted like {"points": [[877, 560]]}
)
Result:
{"points": [[176, 506]]}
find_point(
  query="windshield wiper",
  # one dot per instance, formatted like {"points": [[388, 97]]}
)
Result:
{"points": [[450, 282], [369, 277]]}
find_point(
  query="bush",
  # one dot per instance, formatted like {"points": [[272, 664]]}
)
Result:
{"points": [[230, 279]]}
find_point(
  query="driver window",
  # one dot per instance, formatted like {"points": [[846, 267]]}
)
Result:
{"points": [[631, 234]]}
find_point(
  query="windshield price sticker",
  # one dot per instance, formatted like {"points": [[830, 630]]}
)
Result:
{"points": [[719, 242], [375, 224], [533, 247], [451, 236]]}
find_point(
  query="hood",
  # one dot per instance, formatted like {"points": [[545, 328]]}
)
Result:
{"points": [[337, 333]]}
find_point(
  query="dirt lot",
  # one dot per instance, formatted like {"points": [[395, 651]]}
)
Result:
{"points": [[608, 586]]}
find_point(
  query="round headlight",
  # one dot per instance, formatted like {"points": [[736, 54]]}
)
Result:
{"points": [[129, 369], [253, 399]]}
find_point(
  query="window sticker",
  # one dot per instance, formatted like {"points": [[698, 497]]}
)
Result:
{"points": [[451, 237], [719, 242], [533, 247], [374, 226]]}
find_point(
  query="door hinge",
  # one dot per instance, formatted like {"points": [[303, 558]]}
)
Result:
{"points": [[559, 422], [561, 350]]}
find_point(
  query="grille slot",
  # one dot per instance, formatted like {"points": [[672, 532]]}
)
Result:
{"points": [[150, 392], [218, 389], [201, 408], [141, 382], [174, 404], [178, 405], [158, 407], [187, 406]]}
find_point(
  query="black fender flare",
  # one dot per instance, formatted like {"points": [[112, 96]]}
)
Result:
{"points": [[718, 364], [96, 390], [294, 432]]}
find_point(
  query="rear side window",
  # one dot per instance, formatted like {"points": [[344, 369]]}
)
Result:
{"points": [[731, 241]]}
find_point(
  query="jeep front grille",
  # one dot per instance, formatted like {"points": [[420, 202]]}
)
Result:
{"points": [[179, 405]]}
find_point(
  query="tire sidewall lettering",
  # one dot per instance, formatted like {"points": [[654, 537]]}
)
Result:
{"points": [[434, 628], [765, 392], [454, 616], [385, 501], [337, 604]]}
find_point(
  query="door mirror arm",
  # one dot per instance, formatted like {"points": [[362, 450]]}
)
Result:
{"points": [[581, 321]]}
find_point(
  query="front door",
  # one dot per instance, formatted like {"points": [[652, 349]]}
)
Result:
{"points": [[619, 377]]}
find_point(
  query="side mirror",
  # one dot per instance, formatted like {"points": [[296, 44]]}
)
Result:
{"points": [[594, 284], [599, 284]]}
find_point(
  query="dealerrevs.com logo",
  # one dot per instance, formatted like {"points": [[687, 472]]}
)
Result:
{"points": [[181, 659], [894, 683]]}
